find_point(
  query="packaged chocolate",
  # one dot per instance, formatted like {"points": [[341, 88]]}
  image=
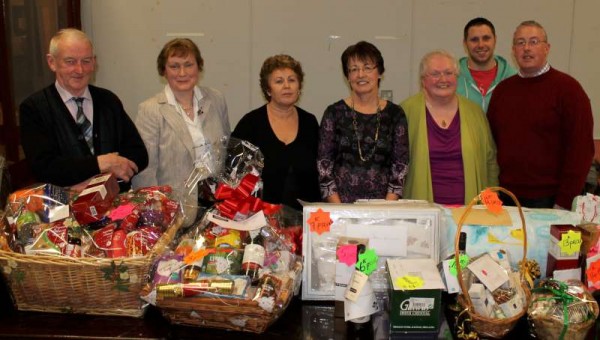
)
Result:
{"points": [[96, 199], [168, 269], [117, 245], [223, 261]]}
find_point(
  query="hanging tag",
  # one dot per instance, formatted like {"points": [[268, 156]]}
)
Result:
{"points": [[491, 201]]}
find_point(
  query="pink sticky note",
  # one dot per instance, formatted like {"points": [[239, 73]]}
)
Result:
{"points": [[121, 211], [347, 254]]}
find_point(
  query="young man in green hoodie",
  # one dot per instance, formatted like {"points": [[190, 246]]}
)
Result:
{"points": [[481, 70]]}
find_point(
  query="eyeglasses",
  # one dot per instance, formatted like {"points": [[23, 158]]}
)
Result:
{"points": [[533, 42], [438, 75], [366, 69]]}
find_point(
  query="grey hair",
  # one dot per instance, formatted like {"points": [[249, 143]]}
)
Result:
{"points": [[532, 23], [67, 33]]}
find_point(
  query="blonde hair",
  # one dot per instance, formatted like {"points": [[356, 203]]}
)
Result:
{"points": [[437, 53]]}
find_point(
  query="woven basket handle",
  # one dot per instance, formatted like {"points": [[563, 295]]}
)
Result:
{"points": [[462, 220]]}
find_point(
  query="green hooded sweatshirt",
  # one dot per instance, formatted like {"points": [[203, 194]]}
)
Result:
{"points": [[466, 85]]}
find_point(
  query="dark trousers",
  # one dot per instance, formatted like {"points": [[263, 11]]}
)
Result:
{"points": [[543, 202]]}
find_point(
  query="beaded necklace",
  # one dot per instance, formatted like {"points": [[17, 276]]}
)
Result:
{"points": [[359, 137]]}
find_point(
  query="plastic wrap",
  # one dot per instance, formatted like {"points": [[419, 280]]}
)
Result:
{"points": [[40, 220], [405, 229], [239, 256], [561, 310], [94, 268], [483, 238]]}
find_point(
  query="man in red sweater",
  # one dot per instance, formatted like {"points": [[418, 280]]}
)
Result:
{"points": [[541, 120]]}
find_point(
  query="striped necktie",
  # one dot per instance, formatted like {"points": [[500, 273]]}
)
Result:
{"points": [[84, 124]]}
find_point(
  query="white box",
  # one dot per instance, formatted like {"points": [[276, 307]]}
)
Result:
{"points": [[408, 230], [481, 302]]}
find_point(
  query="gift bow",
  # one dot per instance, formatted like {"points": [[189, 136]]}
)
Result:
{"points": [[560, 294], [240, 199], [530, 270]]}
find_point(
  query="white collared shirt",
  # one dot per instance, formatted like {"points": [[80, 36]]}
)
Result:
{"points": [[201, 145], [541, 71], [67, 98]]}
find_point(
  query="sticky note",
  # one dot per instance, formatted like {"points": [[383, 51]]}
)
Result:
{"points": [[319, 222]]}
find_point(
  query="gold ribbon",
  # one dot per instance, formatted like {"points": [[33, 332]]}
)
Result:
{"points": [[461, 331], [530, 270]]}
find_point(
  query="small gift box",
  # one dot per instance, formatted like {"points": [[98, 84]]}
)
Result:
{"points": [[96, 199]]}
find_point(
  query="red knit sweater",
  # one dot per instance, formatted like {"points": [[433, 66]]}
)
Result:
{"points": [[543, 128]]}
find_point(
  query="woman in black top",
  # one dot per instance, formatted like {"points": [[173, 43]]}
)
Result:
{"points": [[286, 135]]}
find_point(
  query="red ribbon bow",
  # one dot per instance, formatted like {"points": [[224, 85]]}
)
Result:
{"points": [[240, 201]]}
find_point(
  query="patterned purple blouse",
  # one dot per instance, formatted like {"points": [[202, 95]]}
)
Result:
{"points": [[341, 169]]}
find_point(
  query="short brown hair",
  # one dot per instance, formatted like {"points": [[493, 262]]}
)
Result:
{"points": [[363, 51], [179, 47], [278, 62]]}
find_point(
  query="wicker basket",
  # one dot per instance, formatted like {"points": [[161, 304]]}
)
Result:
{"points": [[61, 284], [231, 314], [485, 326]]}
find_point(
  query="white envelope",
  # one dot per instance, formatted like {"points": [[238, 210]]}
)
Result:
{"points": [[387, 240]]}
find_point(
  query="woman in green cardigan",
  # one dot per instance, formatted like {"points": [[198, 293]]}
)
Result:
{"points": [[452, 153]]}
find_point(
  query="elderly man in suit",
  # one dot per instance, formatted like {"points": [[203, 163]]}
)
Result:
{"points": [[70, 130]]}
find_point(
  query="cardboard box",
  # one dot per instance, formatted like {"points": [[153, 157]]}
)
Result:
{"points": [[590, 237], [555, 264], [557, 231], [96, 199], [414, 310], [481, 303]]}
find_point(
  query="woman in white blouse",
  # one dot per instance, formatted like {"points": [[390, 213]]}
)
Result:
{"points": [[181, 123]]}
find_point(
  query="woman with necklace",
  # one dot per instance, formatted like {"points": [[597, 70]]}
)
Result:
{"points": [[363, 142], [180, 124], [285, 134], [453, 155]]}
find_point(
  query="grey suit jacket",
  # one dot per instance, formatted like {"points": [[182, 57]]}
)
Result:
{"points": [[171, 152]]}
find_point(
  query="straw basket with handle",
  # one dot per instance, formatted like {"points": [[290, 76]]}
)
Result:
{"points": [[486, 326]]}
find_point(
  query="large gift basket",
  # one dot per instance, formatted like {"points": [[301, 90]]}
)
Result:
{"points": [[493, 312], [238, 266], [87, 252]]}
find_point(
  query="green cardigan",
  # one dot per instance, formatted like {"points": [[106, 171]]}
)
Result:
{"points": [[478, 150]]}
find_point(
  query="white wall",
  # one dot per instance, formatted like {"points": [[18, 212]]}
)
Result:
{"points": [[235, 37]]}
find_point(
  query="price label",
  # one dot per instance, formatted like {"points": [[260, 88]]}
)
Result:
{"points": [[491, 200], [463, 260], [409, 282], [367, 261], [121, 211], [347, 254], [593, 273], [570, 242], [196, 256], [319, 222]]}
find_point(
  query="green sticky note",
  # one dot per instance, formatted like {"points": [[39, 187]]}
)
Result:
{"points": [[367, 261], [464, 261]]}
